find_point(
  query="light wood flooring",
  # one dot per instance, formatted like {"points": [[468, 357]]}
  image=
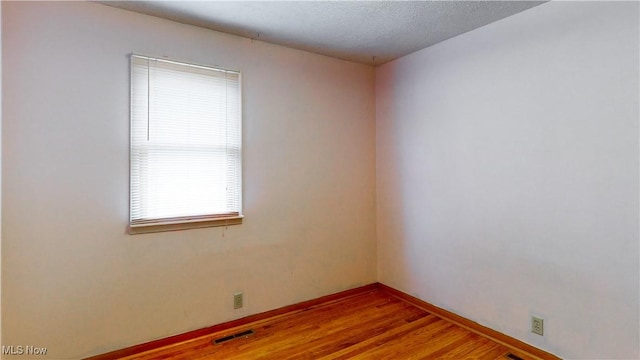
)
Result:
{"points": [[368, 325]]}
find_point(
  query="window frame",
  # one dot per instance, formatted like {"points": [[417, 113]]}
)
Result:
{"points": [[141, 226]]}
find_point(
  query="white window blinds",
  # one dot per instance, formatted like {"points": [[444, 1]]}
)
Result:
{"points": [[185, 142]]}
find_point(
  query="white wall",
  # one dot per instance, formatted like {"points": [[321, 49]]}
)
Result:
{"points": [[1, 178], [73, 281], [508, 176]]}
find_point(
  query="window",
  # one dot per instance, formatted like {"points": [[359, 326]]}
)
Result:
{"points": [[186, 148]]}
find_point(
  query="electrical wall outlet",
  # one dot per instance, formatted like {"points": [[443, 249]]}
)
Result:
{"points": [[537, 325], [237, 300]]}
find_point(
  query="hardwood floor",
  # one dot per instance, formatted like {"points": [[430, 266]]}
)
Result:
{"points": [[368, 325]]}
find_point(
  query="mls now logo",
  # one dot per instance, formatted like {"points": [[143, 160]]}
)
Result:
{"points": [[23, 350]]}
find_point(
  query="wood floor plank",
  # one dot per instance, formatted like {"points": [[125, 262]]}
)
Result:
{"points": [[375, 342], [475, 347], [369, 325], [325, 320], [355, 332], [417, 344]]}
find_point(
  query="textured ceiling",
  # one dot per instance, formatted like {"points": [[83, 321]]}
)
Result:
{"points": [[371, 32]]}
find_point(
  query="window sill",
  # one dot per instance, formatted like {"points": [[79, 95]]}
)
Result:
{"points": [[181, 224]]}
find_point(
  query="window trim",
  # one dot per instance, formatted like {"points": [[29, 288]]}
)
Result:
{"points": [[175, 224], [186, 222]]}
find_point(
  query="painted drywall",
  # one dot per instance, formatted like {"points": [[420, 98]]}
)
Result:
{"points": [[73, 280], [508, 180], [1, 355]]}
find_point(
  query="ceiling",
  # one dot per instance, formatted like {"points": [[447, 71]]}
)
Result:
{"points": [[370, 32]]}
